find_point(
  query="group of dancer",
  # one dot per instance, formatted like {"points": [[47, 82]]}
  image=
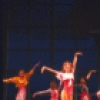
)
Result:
{"points": [[65, 76]]}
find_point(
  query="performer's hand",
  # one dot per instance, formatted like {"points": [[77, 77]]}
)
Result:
{"points": [[93, 71], [34, 95], [37, 64], [43, 68], [4, 80], [79, 53]]}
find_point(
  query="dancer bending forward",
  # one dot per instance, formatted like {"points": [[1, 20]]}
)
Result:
{"points": [[21, 82], [66, 77], [53, 91]]}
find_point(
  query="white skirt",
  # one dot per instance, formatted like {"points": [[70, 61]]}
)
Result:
{"points": [[21, 95]]}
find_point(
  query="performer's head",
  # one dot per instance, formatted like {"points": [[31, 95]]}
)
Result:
{"points": [[67, 66], [98, 94], [53, 85], [82, 80], [21, 73]]}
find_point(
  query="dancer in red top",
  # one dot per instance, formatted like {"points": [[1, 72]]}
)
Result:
{"points": [[53, 91], [66, 77], [83, 85]]}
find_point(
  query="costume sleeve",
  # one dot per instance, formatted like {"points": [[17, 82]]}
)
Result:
{"points": [[28, 75], [8, 80], [11, 80], [59, 76]]}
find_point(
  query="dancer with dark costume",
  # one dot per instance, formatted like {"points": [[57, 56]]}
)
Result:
{"points": [[21, 82], [83, 85], [53, 90], [66, 77]]}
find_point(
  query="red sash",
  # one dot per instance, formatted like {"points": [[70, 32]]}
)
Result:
{"points": [[85, 96]]}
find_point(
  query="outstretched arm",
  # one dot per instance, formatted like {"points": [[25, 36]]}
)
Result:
{"points": [[10, 80], [7, 80], [90, 73], [75, 59], [49, 69], [41, 92]]}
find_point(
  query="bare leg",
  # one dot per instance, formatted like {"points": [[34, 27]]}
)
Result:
{"points": [[21, 95], [64, 95], [71, 97], [18, 96]]}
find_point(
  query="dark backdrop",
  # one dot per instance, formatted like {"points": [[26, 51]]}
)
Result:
{"points": [[40, 30]]}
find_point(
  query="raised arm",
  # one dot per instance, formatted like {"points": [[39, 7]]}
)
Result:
{"points": [[75, 59], [90, 73], [30, 73], [49, 69], [34, 67], [41, 92]]}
